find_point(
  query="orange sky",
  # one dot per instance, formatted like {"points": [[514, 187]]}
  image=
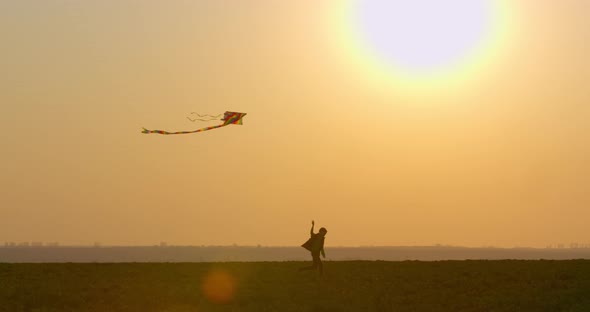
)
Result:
{"points": [[498, 158]]}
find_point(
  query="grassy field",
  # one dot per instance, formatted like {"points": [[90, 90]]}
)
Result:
{"points": [[277, 286]]}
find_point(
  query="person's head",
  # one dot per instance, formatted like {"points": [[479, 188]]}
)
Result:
{"points": [[323, 231]]}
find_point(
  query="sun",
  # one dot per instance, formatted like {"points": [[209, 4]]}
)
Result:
{"points": [[423, 35], [432, 42]]}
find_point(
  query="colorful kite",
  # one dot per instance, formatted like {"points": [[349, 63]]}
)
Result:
{"points": [[229, 118]]}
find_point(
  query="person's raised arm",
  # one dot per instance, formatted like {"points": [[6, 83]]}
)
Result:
{"points": [[311, 231]]}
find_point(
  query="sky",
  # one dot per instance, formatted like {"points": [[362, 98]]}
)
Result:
{"points": [[486, 145]]}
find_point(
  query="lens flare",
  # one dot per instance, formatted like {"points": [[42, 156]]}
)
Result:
{"points": [[219, 286]]}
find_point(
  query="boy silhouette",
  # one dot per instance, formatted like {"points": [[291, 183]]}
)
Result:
{"points": [[315, 244]]}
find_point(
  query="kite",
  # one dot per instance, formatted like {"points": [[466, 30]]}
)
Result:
{"points": [[229, 118]]}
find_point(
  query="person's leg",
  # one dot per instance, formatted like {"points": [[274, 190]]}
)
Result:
{"points": [[317, 262], [311, 267]]}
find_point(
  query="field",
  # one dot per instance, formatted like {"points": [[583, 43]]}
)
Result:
{"points": [[509, 285]]}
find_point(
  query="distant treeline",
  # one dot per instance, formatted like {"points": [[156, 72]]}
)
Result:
{"points": [[240, 253]]}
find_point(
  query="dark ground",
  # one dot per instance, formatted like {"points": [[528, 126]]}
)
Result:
{"points": [[507, 285]]}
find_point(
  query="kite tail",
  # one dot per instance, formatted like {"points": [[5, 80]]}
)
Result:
{"points": [[146, 131]]}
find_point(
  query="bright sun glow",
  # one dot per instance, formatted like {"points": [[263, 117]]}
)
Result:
{"points": [[424, 35], [423, 43]]}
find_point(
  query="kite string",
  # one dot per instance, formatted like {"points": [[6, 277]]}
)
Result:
{"points": [[212, 117], [206, 115], [193, 120]]}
